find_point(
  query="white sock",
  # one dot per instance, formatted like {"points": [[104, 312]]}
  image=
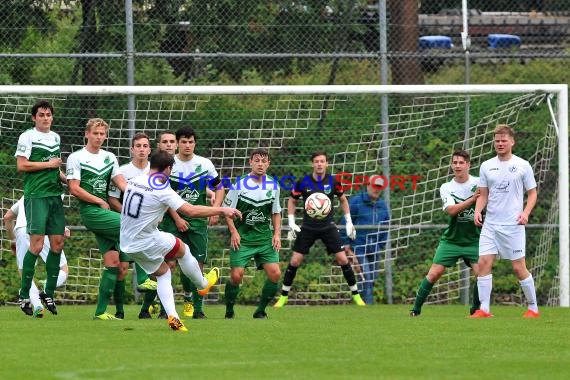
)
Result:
{"points": [[61, 278], [485, 285], [166, 293], [527, 286], [35, 296], [192, 270]]}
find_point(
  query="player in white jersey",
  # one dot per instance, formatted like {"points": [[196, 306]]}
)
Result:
{"points": [[147, 198], [257, 197], [15, 222], [503, 181]]}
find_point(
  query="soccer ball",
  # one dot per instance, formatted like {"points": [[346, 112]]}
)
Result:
{"points": [[318, 206]]}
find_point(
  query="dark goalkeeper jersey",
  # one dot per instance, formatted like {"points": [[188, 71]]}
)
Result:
{"points": [[306, 186]]}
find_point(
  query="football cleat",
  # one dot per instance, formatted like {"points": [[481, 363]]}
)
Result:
{"points": [[120, 315], [199, 315], [531, 314], [176, 324], [49, 303], [188, 309], [260, 314], [162, 315], [154, 308], [106, 317], [481, 314], [414, 313], [212, 276], [281, 301], [230, 314], [147, 285], [38, 312], [144, 314], [26, 305], [358, 300]]}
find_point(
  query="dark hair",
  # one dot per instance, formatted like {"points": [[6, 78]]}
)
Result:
{"points": [[319, 153], [462, 153], [138, 136], [260, 152], [160, 160], [41, 104], [160, 134], [186, 132]]}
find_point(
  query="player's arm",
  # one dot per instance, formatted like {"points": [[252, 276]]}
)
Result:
{"points": [[182, 224], [455, 209], [25, 165], [9, 223], [217, 196], [480, 204], [115, 203], [532, 196], [196, 211], [120, 182], [276, 221], [77, 191]]}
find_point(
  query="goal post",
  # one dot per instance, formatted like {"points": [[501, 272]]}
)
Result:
{"points": [[345, 121]]}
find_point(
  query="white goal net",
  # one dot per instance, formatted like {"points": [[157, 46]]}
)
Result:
{"points": [[425, 124]]}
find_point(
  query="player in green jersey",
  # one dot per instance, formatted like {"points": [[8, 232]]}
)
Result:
{"points": [[38, 157], [460, 240], [257, 197], [90, 171]]}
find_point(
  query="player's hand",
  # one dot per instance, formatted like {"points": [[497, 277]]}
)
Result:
{"points": [[350, 230], [213, 220], [478, 219], [231, 212], [104, 205], [66, 233], [13, 248], [523, 218], [235, 241], [54, 162], [293, 227], [182, 224], [276, 242]]}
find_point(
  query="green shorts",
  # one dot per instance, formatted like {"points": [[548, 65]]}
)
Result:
{"points": [[105, 224], [262, 254], [447, 254], [44, 215]]}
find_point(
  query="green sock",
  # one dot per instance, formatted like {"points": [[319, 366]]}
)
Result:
{"points": [[148, 299], [119, 296], [187, 286], [422, 294], [197, 299], [230, 295], [267, 293], [475, 304], [141, 274], [106, 288], [52, 272], [28, 271]]}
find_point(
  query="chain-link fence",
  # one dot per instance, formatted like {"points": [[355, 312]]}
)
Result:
{"points": [[252, 42]]}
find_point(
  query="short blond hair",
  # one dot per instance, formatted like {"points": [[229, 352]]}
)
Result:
{"points": [[504, 129], [96, 122]]}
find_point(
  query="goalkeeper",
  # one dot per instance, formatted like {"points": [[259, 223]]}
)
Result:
{"points": [[460, 240], [313, 229]]}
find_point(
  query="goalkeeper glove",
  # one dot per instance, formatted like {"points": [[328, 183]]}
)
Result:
{"points": [[350, 230], [294, 228]]}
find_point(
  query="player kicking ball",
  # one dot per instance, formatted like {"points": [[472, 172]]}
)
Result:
{"points": [[146, 199]]}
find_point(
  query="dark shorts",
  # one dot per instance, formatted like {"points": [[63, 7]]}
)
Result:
{"points": [[329, 235]]}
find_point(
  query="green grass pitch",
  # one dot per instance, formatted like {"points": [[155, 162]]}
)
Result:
{"points": [[320, 342]]}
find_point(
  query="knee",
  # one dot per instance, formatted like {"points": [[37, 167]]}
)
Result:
{"points": [[274, 275], [236, 276]]}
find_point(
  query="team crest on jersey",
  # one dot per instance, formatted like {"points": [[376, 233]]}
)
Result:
{"points": [[69, 172], [107, 160], [474, 188], [327, 189], [268, 194], [199, 168], [190, 195], [227, 201], [513, 169], [254, 216], [21, 148], [57, 139]]}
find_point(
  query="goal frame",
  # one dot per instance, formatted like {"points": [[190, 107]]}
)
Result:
{"points": [[561, 90]]}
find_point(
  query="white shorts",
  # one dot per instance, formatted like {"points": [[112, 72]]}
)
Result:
{"points": [[509, 242], [23, 243], [151, 251]]}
